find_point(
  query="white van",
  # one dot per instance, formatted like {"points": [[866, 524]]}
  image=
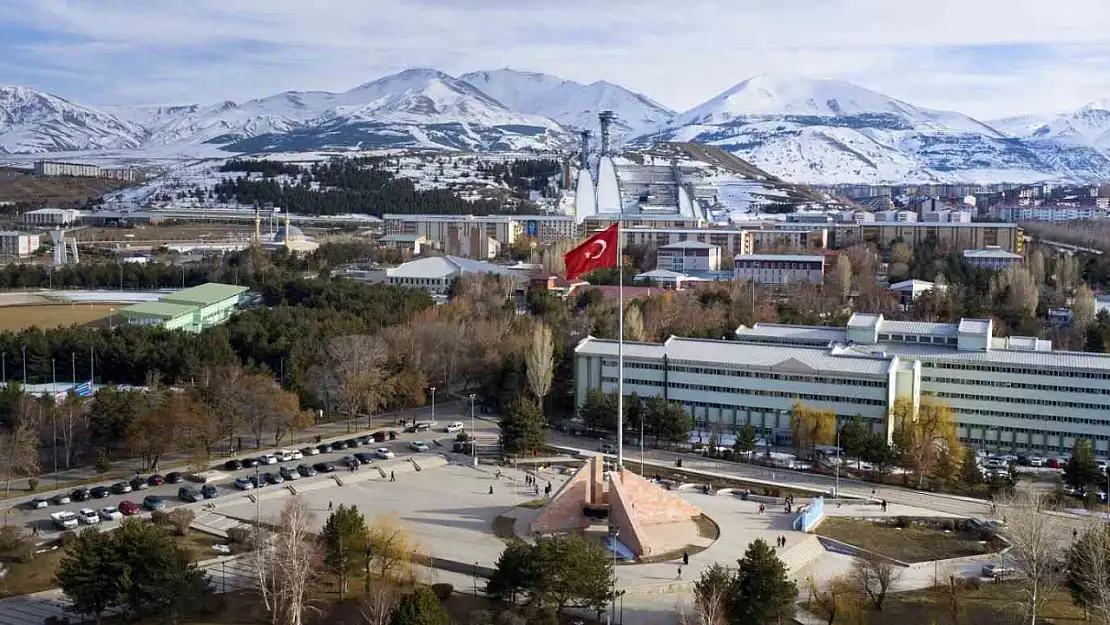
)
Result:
{"points": [[457, 426]]}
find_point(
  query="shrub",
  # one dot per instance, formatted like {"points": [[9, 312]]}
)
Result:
{"points": [[159, 517], [10, 537], [102, 464], [67, 538], [25, 551], [462, 437], [239, 536], [181, 519], [443, 591], [33, 484], [901, 522]]}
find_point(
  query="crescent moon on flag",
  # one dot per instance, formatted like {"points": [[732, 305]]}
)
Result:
{"points": [[604, 245]]}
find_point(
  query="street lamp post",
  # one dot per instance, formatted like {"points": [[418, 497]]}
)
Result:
{"points": [[836, 487], [613, 533], [24, 365], [473, 432], [4, 366], [433, 404], [54, 397]]}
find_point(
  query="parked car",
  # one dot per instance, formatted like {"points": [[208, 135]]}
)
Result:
{"points": [[249, 463], [88, 516], [100, 492], [419, 446], [121, 488], [233, 465], [1036, 461], [60, 499], [267, 459], [81, 494], [154, 502], [384, 453], [351, 443], [289, 474], [379, 437], [174, 477], [128, 508], [364, 440], [244, 483], [209, 491], [995, 571], [305, 470], [39, 502], [139, 484], [309, 451], [273, 478], [189, 494], [324, 448], [364, 458], [64, 520], [156, 480], [110, 513], [323, 467], [1052, 463], [457, 426], [283, 455]]}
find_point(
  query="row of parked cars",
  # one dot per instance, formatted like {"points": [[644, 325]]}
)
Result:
{"points": [[100, 492], [67, 520]]}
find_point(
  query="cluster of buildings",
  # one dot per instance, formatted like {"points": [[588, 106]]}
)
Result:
{"points": [[1007, 393], [192, 310], [83, 170]]}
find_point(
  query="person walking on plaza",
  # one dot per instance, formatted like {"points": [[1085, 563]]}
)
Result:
{"points": [[680, 572], [491, 489], [685, 557], [392, 476]]}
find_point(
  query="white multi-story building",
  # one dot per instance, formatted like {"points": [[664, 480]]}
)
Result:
{"points": [[992, 258], [440, 229], [689, 256], [1007, 393], [19, 243], [728, 240], [53, 168], [51, 217], [779, 268]]}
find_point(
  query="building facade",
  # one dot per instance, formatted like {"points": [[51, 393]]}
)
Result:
{"points": [[779, 268], [439, 229], [53, 168], [19, 243], [960, 236], [51, 217], [730, 241], [193, 310], [1006, 393], [789, 237], [689, 256], [992, 258]]}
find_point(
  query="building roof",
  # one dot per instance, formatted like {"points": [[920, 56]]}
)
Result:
{"points": [[165, 310], [789, 258], [991, 252], [403, 238], [864, 320], [661, 274], [911, 284], [206, 294], [689, 245], [918, 327], [975, 326], [746, 355], [443, 266], [815, 334]]}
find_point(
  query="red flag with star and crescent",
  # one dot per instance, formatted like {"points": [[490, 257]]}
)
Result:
{"points": [[596, 252]]}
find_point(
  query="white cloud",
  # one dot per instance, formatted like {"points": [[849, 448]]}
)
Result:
{"points": [[934, 53]]}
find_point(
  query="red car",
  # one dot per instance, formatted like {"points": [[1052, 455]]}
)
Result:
{"points": [[1053, 463], [128, 508]]}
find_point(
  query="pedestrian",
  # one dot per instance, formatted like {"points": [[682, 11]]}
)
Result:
{"points": [[1074, 534], [491, 489], [884, 505], [498, 474], [329, 506], [392, 476], [680, 572], [685, 557]]}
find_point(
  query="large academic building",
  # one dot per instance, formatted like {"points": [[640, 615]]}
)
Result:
{"points": [[1009, 393]]}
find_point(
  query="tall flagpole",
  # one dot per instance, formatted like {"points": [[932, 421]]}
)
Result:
{"points": [[620, 341]]}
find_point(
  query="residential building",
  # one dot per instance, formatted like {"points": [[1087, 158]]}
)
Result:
{"points": [[895, 216], [19, 243], [51, 217], [779, 268], [436, 274], [548, 228], [193, 310], [667, 279], [439, 229], [947, 216], [689, 256], [1006, 393], [992, 257], [790, 236], [910, 290], [53, 168], [641, 220], [960, 236]]}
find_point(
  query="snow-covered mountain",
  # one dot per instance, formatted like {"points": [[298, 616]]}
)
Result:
{"points": [[828, 131], [1087, 126], [572, 104], [32, 122]]}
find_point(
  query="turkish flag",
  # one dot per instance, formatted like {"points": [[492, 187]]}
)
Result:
{"points": [[597, 252]]}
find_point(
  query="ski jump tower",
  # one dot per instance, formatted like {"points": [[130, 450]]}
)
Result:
{"points": [[604, 197], [63, 247]]}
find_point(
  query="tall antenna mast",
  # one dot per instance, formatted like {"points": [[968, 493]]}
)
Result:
{"points": [[585, 154], [606, 118]]}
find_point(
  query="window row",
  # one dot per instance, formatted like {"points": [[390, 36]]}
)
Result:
{"points": [[1032, 387], [1090, 375], [1022, 400]]}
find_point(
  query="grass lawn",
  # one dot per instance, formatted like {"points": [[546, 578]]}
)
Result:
{"points": [[38, 574], [53, 315], [988, 603], [914, 543]]}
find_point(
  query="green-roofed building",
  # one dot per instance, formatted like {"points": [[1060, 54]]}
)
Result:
{"points": [[192, 310]]}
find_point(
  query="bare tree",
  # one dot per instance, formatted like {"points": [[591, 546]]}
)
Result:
{"points": [[359, 375], [286, 565], [1083, 308], [376, 604], [633, 324], [1036, 266], [1023, 291], [842, 276], [540, 359], [19, 453], [873, 577], [1067, 273], [1088, 570], [391, 550], [953, 588], [1035, 550]]}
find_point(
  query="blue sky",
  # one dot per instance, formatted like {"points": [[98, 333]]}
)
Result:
{"points": [[987, 58]]}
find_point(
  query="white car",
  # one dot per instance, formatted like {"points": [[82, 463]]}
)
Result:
{"points": [[1036, 461], [383, 453], [64, 520], [419, 446], [268, 459], [283, 455], [296, 455], [457, 426], [88, 516], [40, 502], [110, 513]]}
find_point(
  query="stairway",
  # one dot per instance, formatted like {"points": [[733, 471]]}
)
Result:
{"points": [[802, 553]]}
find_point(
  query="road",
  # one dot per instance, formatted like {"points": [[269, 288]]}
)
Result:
{"points": [[39, 518]]}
